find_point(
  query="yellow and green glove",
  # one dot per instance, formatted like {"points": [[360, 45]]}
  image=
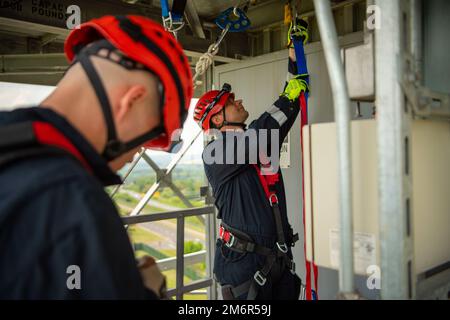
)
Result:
{"points": [[300, 31], [295, 87]]}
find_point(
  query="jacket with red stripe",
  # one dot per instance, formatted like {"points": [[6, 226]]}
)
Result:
{"points": [[239, 196], [55, 214]]}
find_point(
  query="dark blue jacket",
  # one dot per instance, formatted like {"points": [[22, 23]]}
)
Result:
{"points": [[240, 197], [55, 214]]}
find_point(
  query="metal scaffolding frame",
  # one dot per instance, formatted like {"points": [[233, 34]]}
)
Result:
{"points": [[393, 121], [400, 97], [425, 103], [164, 179], [393, 134]]}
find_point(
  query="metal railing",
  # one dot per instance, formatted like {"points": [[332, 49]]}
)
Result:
{"points": [[164, 179], [180, 260], [189, 259]]}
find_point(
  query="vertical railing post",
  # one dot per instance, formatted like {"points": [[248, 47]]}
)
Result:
{"points": [[180, 256], [394, 140]]}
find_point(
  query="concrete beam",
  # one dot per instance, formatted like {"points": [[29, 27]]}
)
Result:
{"points": [[39, 78], [279, 22], [32, 28], [193, 19], [48, 68], [58, 61]]}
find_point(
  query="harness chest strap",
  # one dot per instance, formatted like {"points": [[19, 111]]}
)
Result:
{"points": [[268, 182]]}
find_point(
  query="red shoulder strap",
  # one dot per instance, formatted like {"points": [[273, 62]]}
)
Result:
{"points": [[267, 180], [46, 134]]}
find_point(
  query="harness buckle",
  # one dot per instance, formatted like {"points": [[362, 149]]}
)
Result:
{"points": [[231, 238], [232, 241], [273, 199], [282, 247], [259, 278]]}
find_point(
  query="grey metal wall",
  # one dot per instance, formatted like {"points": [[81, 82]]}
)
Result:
{"points": [[436, 45], [259, 81]]}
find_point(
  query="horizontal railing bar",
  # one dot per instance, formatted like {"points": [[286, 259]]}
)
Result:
{"points": [[167, 215], [189, 259], [190, 287], [198, 292]]}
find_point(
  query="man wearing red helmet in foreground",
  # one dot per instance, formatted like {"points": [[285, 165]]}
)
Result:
{"points": [[129, 85], [253, 257]]}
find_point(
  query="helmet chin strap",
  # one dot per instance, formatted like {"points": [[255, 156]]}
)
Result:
{"points": [[227, 123], [114, 147]]}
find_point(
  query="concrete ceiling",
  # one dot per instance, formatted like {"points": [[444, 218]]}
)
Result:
{"points": [[31, 43], [26, 24], [211, 8], [263, 11], [260, 12]]}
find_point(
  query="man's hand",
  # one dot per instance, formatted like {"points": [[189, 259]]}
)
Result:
{"points": [[295, 87], [152, 276], [300, 30]]}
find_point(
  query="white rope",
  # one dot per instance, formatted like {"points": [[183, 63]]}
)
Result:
{"points": [[205, 61]]}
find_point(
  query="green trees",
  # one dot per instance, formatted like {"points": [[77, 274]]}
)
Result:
{"points": [[192, 246]]}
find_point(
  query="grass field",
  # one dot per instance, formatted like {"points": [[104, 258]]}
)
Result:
{"points": [[141, 235]]}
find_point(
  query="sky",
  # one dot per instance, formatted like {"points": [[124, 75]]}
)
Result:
{"points": [[14, 95]]}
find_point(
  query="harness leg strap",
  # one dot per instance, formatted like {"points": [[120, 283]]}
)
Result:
{"points": [[281, 242], [232, 293], [256, 282]]}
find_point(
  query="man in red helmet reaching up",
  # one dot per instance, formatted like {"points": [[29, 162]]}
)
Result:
{"points": [[253, 258], [129, 85]]}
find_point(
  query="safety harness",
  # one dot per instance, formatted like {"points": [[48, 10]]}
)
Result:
{"points": [[35, 138], [277, 259]]}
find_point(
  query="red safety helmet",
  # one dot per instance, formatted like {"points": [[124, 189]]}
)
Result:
{"points": [[210, 104], [147, 43]]}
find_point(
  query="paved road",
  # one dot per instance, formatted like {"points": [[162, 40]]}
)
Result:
{"points": [[166, 229], [138, 196]]}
